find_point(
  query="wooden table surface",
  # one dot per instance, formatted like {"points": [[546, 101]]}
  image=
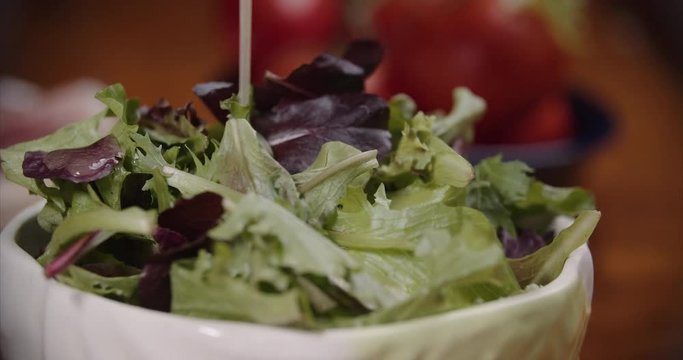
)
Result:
{"points": [[164, 47], [638, 181]]}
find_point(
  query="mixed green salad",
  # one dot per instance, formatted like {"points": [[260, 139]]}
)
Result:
{"points": [[316, 206]]}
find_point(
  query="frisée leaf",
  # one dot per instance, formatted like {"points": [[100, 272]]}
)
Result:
{"points": [[422, 155], [200, 288], [337, 167], [242, 164]]}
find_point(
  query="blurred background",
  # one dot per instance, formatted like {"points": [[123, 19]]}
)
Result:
{"points": [[589, 92]]}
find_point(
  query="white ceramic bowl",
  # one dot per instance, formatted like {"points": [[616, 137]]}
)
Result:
{"points": [[43, 319]]}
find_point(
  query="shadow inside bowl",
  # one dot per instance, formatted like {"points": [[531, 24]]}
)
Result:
{"points": [[32, 238]]}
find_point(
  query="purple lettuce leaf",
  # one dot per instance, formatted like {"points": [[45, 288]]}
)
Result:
{"points": [[526, 243], [337, 111], [366, 53], [326, 74], [155, 283], [156, 115], [154, 289], [212, 94], [169, 239], [181, 234], [298, 153], [297, 131], [193, 217], [77, 165], [318, 102], [171, 126]]}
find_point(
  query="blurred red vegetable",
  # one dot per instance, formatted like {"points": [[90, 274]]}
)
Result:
{"points": [[550, 119], [503, 50], [507, 55]]}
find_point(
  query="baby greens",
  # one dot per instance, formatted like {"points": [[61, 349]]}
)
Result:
{"points": [[216, 222]]}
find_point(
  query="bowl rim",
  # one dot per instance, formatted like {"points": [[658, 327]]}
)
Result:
{"points": [[578, 267]]}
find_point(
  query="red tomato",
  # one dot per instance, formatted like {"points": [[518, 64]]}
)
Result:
{"points": [[278, 25], [551, 119], [506, 56]]}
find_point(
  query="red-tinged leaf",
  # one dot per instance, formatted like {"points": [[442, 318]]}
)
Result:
{"points": [[70, 256], [155, 283], [155, 286], [181, 234]]}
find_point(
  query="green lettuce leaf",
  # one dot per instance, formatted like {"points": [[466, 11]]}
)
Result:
{"points": [[361, 225], [387, 278], [244, 165], [544, 203], [149, 159], [75, 135], [456, 266], [114, 96], [337, 166], [158, 186], [235, 108], [568, 201], [402, 108], [512, 199], [421, 193], [124, 109], [422, 155], [148, 156], [130, 221], [110, 187], [510, 178], [50, 216], [482, 196], [121, 288], [459, 123], [67, 199], [251, 261], [293, 243], [545, 264], [202, 288]]}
